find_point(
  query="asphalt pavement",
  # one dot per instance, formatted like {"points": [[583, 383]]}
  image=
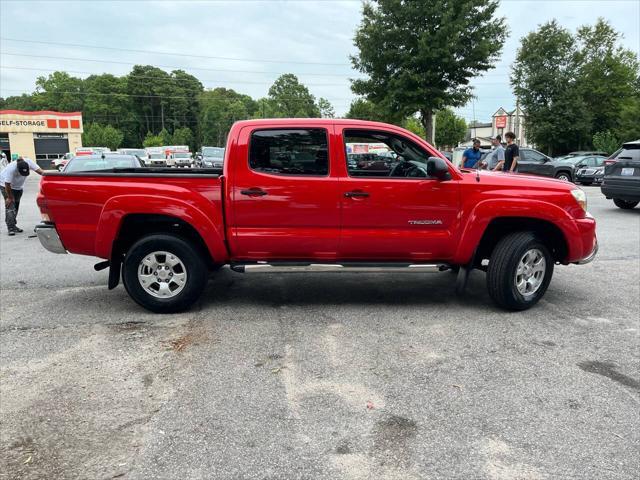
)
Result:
{"points": [[320, 376]]}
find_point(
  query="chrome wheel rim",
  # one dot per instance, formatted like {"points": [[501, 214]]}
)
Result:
{"points": [[563, 177], [162, 274], [530, 272]]}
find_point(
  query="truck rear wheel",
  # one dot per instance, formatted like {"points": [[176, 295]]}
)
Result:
{"points": [[520, 270], [164, 273]]}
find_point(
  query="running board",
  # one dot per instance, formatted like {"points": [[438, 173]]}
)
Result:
{"points": [[299, 267]]}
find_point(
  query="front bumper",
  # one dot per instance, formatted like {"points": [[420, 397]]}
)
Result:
{"points": [[590, 178], [591, 256], [48, 236]]}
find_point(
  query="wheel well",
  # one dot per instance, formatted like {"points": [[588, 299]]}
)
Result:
{"points": [[550, 234], [563, 170], [136, 226]]}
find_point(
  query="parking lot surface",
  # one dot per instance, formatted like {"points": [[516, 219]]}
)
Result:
{"points": [[320, 376]]}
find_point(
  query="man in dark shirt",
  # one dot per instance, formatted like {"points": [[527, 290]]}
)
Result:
{"points": [[511, 155], [471, 156]]}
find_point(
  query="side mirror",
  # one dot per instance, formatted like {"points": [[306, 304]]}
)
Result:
{"points": [[438, 168]]}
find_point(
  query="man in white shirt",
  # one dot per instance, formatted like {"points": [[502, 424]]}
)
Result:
{"points": [[12, 180]]}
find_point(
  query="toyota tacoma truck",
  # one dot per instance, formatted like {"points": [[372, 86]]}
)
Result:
{"points": [[288, 200]]}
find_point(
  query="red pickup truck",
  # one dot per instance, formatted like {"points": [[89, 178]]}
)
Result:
{"points": [[289, 198]]}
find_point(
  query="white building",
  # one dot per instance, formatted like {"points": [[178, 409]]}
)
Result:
{"points": [[502, 121]]}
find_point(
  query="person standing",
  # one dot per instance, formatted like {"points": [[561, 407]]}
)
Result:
{"points": [[471, 156], [497, 154], [3, 160], [12, 180], [511, 155]]}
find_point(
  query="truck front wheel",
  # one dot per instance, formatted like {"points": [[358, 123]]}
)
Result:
{"points": [[164, 273], [520, 270]]}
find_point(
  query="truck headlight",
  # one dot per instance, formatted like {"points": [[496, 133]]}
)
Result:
{"points": [[580, 197]]}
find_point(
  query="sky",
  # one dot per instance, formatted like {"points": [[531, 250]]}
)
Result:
{"points": [[247, 44]]}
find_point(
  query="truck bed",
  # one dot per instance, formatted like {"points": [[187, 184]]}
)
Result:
{"points": [[89, 207]]}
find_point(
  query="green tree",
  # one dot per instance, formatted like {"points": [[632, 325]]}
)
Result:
{"points": [[326, 109], [167, 138], [419, 57], [629, 126], [151, 140], [544, 79], [606, 73], [96, 135], [291, 99], [59, 91], [450, 129], [183, 136], [363, 109], [219, 109], [415, 126], [606, 142]]}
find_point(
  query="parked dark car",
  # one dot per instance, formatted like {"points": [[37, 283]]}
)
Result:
{"points": [[584, 153], [91, 163], [622, 176], [211, 157], [537, 163], [592, 171]]}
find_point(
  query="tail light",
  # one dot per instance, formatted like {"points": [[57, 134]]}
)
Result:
{"points": [[42, 204], [610, 161]]}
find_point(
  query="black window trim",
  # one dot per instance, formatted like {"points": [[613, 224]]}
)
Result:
{"points": [[384, 132], [288, 175]]}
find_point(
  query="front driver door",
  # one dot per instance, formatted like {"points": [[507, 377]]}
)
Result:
{"points": [[391, 209]]}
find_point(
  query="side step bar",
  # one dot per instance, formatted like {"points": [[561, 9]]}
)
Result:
{"points": [[298, 267]]}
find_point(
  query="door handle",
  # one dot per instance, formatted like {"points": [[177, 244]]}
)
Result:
{"points": [[253, 192], [356, 194]]}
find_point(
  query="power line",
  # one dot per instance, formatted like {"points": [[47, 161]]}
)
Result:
{"points": [[170, 66], [155, 52], [148, 77], [117, 94]]}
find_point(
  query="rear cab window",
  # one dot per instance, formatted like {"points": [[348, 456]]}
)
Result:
{"points": [[290, 151]]}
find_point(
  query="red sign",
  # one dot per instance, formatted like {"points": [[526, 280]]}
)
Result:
{"points": [[501, 122]]}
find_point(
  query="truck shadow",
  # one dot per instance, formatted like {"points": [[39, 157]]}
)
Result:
{"points": [[298, 289]]}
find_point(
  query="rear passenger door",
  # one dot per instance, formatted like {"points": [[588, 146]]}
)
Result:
{"points": [[285, 204]]}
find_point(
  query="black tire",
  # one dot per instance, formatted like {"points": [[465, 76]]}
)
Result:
{"points": [[194, 265], [565, 176], [624, 204], [501, 274]]}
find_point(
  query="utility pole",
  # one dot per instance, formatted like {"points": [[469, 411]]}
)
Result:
{"points": [[473, 106]]}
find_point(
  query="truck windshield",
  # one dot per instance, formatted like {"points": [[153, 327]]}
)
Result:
{"points": [[181, 155]]}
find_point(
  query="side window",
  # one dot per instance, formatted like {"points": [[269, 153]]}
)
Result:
{"points": [[535, 157], [384, 155], [290, 152], [599, 161], [590, 162]]}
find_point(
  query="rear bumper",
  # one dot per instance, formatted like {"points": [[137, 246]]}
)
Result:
{"points": [[48, 236], [625, 190]]}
